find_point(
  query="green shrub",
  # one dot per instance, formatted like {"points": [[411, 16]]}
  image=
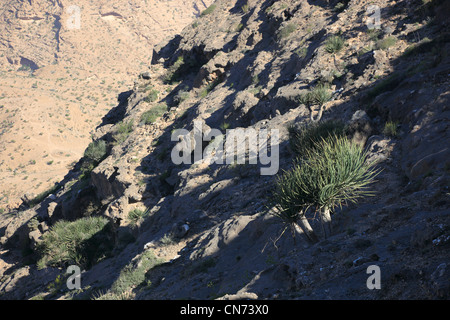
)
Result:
{"points": [[245, 8], [208, 88], [331, 175], [154, 113], [131, 277], [96, 150], [301, 52], [152, 96], [334, 44], [137, 215], [41, 196], [181, 96], [287, 30], [174, 71], [310, 136], [386, 43], [390, 129], [208, 10], [387, 84], [316, 96], [122, 131], [82, 242]]}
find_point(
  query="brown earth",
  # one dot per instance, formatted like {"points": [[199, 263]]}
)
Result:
{"points": [[57, 82], [243, 65]]}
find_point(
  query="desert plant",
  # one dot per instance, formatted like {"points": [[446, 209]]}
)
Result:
{"points": [[152, 96], [390, 129], [332, 174], [154, 113], [173, 72], [287, 30], [82, 242], [316, 96], [131, 276], [386, 43], [122, 131], [245, 8], [181, 96], [334, 44], [96, 150], [309, 136], [137, 215], [41, 196], [208, 10]]}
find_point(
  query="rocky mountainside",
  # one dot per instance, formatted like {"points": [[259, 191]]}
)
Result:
{"points": [[61, 67], [207, 230]]}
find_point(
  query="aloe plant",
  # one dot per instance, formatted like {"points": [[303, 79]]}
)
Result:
{"points": [[332, 174]]}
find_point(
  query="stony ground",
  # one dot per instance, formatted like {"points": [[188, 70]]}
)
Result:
{"points": [[58, 81], [242, 64]]}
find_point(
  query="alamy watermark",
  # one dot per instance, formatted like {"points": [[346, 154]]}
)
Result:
{"points": [[374, 17], [74, 280], [74, 20], [374, 280], [237, 146]]}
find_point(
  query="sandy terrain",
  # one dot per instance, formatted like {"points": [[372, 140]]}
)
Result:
{"points": [[61, 70]]}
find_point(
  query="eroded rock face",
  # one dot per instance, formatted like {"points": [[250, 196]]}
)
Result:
{"points": [[211, 222]]}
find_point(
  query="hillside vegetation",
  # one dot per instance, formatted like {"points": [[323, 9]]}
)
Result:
{"points": [[362, 114]]}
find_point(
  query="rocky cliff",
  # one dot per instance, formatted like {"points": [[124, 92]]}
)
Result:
{"points": [[203, 230]]}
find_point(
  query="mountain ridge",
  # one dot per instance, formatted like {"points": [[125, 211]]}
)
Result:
{"points": [[203, 230]]}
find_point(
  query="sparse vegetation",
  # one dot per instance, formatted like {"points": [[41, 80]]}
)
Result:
{"points": [[316, 96], [122, 131], [331, 175], [208, 10], [83, 242], [152, 96], [390, 129], [181, 96], [387, 84], [137, 215], [154, 113], [41, 196], [287, 30], [386, 43], [334, 44], [96, 151], [173, 73], [310, 136], [132, 276]]}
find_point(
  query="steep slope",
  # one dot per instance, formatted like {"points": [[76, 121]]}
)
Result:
{"points": [[207, 232], [61, 67]]}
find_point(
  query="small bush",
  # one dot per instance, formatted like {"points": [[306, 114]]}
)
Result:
{"points": [[245, 8], [310, 136], [122, 131], [387, 84], [181, 96], [41, 196], [174, 71], [390, 129], [137, 215], [301, 52], [334, 173], [334, 44], [152, 96], [316, 96], [386, 43], [287, 30], [154, 113], [96, 150], [82, 242], [208, 10], [133, 275]]}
